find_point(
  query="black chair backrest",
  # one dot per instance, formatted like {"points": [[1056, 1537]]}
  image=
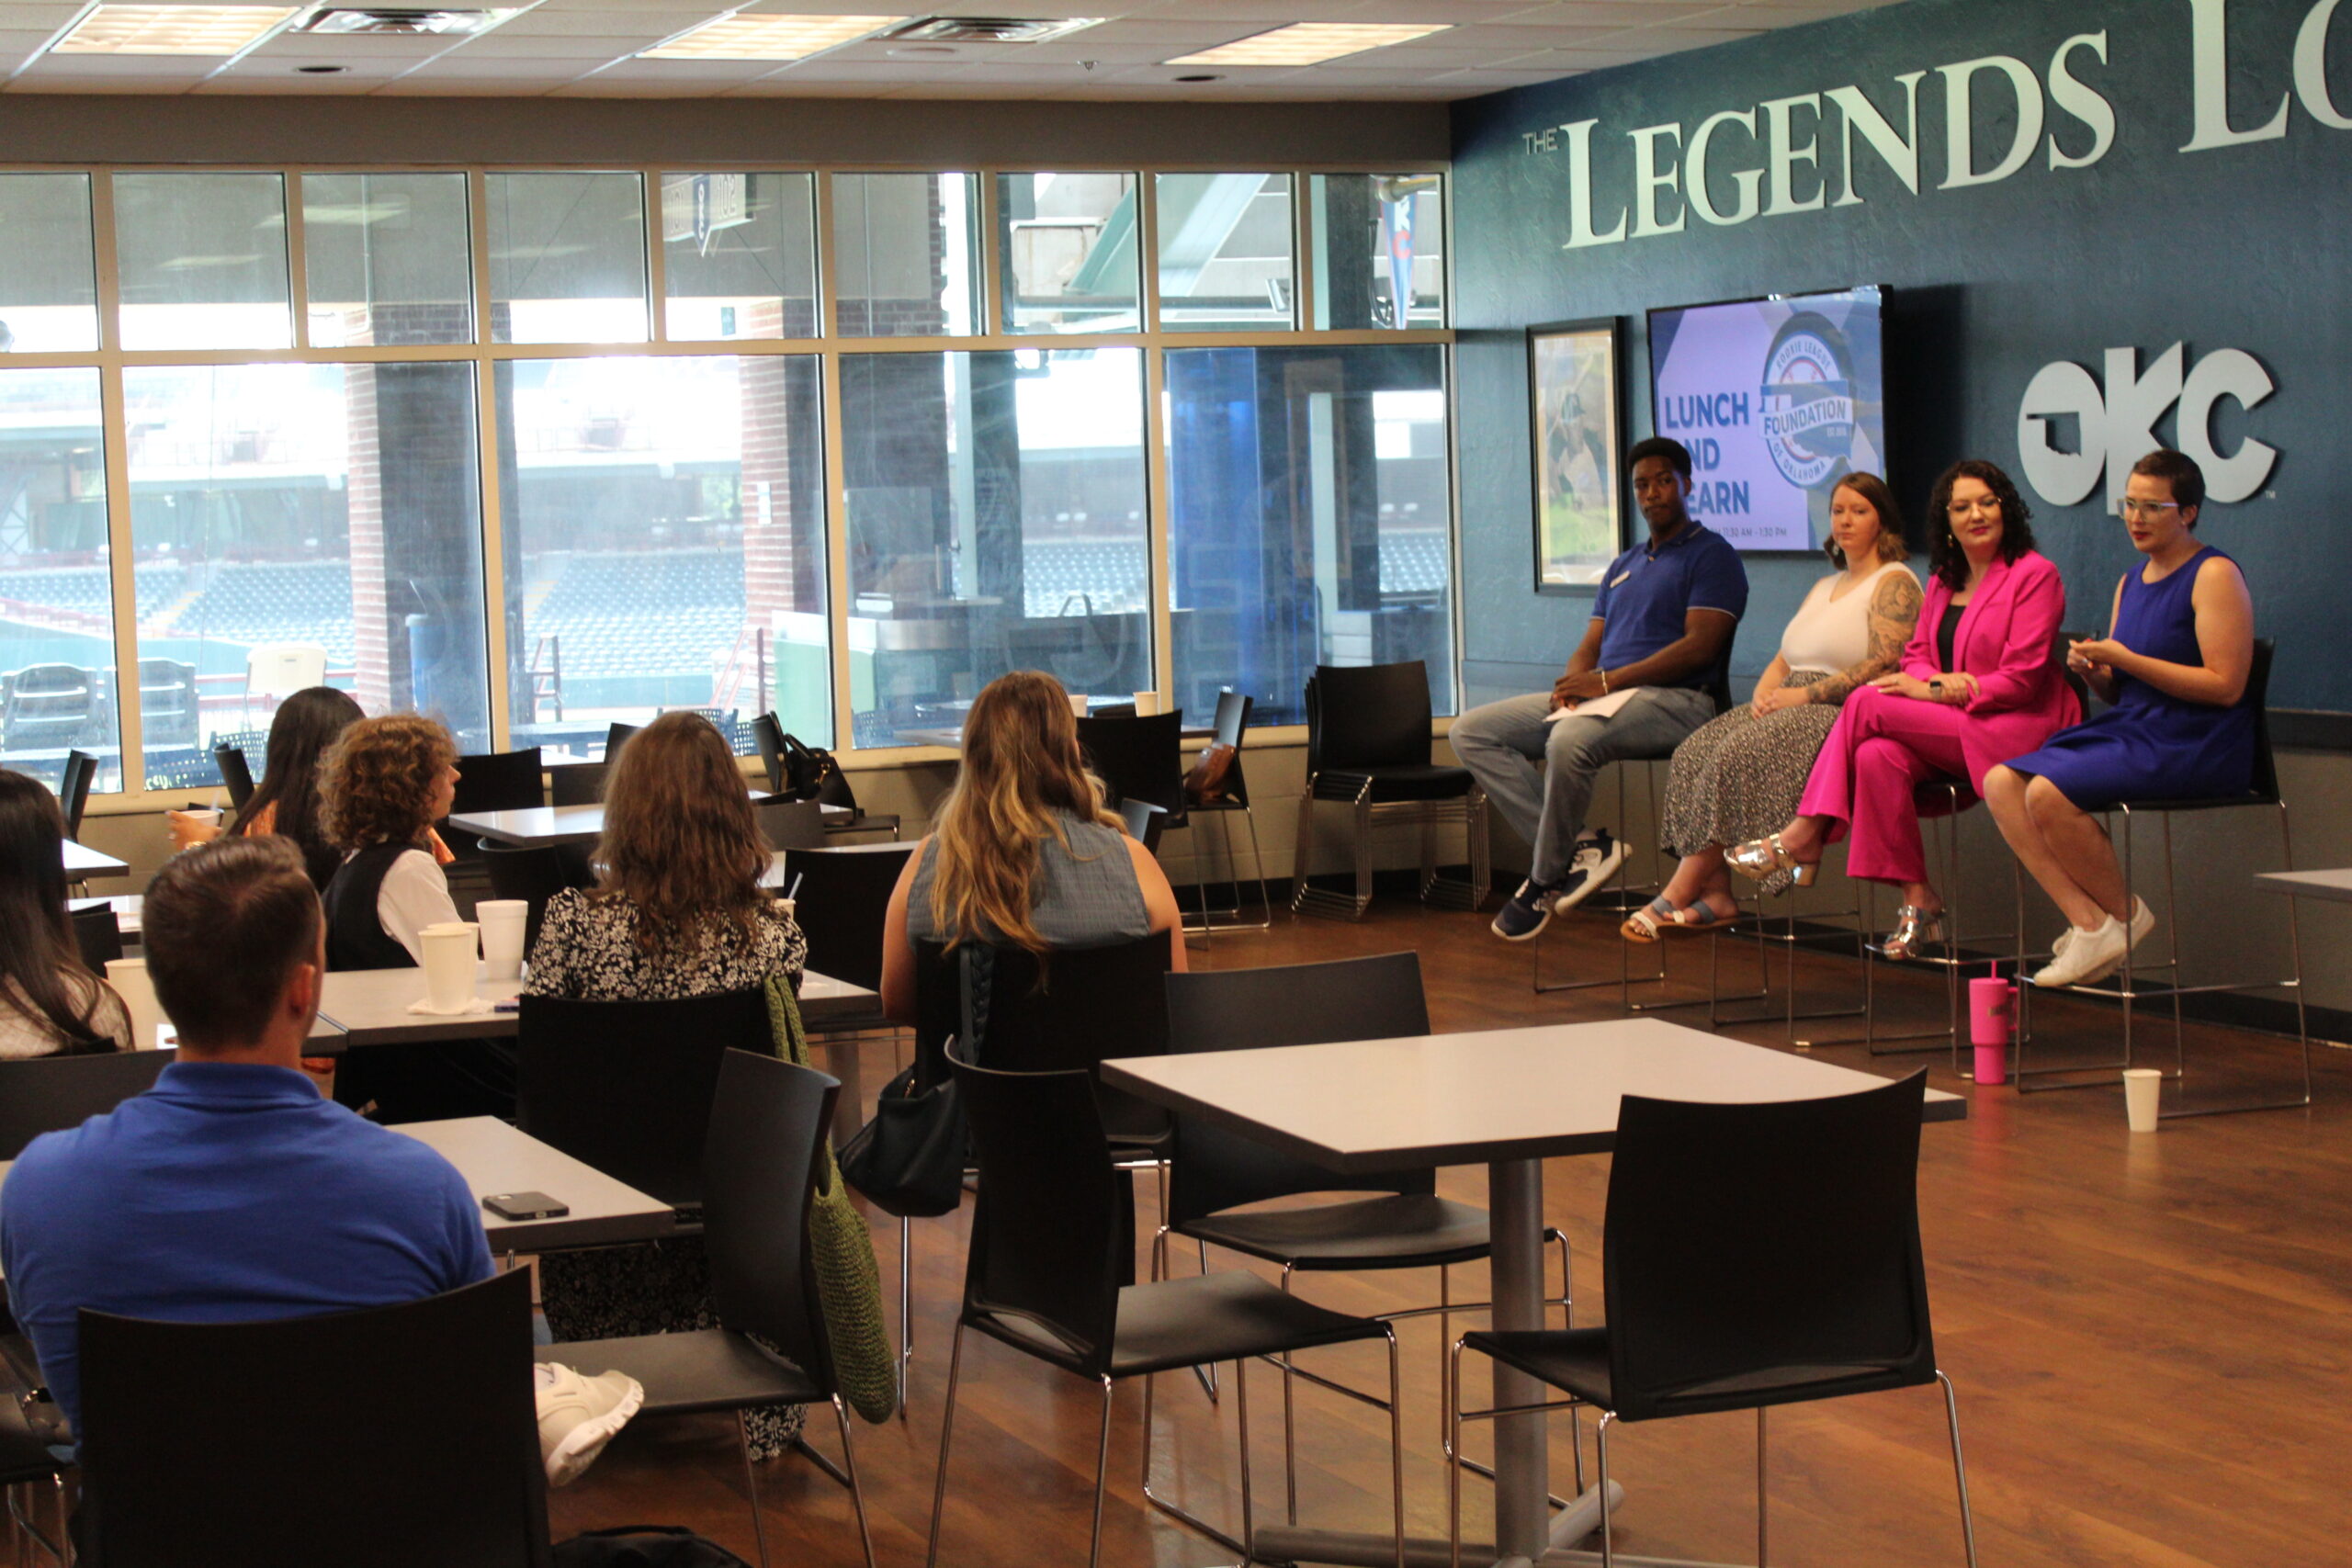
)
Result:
{"points": [[500, 780], [442, 1467], [1232, 724], [578, 784], [97, 933], [73, 789], [1368, 716], [1047, 1242], [1138, 758], [49, 1094], [2257, 695], [1290, 1004], [761, 1165], [844, 901], [767, 734], [1144, 822], [1746, 1240], [615, 735], [792, 824], [1077, 1007], [627, 1087], [234, 772], [534, 874]]}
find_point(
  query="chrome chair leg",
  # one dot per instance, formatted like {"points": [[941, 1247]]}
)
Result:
{"points": [[1241, 1411], [946, 1431], [1959, 1466], [906, 1311], [1289, 1429], [1601, 1444], [751, 1483], [1396, 1443], [1452, 1389], [1102, 1476], [856, 1492]]}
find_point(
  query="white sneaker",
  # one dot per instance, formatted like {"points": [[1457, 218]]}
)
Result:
{"points": [[1595, 861], [578, 1416], [2083, 957]]}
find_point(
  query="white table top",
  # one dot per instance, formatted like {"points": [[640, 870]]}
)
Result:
{"points": [[533, 825], [1473, 1099], [2334, 884], [370, 1007], [82, 861]]}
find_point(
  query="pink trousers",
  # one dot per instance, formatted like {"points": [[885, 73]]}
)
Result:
{"points": [[1882, 748]]}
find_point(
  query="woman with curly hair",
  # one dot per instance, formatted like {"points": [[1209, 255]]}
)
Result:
{"points": [[677, 911], [1977, 687]]}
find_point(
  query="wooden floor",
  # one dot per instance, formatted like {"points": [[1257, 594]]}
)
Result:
{"points": [[2152, 1336]]}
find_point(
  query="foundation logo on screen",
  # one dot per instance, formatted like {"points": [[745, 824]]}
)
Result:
{"points": [[1808, 402]]}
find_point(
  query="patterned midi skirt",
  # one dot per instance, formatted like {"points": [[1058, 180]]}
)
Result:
{"points": [[1739, 777]]}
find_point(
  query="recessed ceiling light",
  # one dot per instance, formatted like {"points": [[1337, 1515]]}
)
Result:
{"points": [[171, 30], [1309, 43], [1199, 78], [919, 51], [320, 70], [738, 36]]}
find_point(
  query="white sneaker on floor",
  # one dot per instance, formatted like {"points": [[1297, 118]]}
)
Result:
{"points": [[579, 1415]]}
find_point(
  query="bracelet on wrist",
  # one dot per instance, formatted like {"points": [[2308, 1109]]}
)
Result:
{"points": [[1605, 682]]}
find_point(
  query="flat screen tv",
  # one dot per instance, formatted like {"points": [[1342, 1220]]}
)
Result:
{"points": [[1776, 398]]}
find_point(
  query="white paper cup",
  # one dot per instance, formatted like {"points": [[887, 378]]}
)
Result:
{"points": [[448, 964], [2141, 1088], [1077, 706], [1147, 704], [129, 978], [504, 921]]}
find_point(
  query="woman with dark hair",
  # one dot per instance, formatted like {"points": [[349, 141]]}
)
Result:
{"points": [[1022, 852], [2175, 662], [1741, 773], [1977, 687], [50, 1002], [677, 911], [287, 799]]}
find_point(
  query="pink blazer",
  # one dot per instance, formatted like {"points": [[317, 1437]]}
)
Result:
{"points": [[2006, 631]]}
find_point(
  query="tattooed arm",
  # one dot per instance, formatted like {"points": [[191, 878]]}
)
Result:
{"points": [[1895, 610]]}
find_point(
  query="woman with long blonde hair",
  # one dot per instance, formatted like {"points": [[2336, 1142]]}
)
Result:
{"points": [[1022, 852]]}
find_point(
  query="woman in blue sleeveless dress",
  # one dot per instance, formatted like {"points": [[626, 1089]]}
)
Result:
{"points": [[2176, 665]]}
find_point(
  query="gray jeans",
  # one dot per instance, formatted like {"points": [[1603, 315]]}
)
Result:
{"points": [[1501, 743]]}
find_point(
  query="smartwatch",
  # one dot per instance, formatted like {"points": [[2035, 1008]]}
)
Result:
{"points": [[1936, 689]]}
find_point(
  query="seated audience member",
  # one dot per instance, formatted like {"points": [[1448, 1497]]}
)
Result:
{"points": [[2174, 662], [1022, 852], [382, 784], [50, 1002], [232, 1191], [678, 911], [1661, 626], [1742, 775], [1978, 687]]}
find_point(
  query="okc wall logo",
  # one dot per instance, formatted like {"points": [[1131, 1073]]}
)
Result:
{"points": [[1808, 402]]}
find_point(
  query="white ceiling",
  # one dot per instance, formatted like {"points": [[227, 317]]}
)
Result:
{"points": [[587, 48]]}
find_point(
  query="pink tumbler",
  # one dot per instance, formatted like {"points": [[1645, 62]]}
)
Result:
{"points": [[1992, 1021]]}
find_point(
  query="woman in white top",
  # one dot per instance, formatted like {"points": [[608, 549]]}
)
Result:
{"points": [[1749, 767], [49, 1001]]}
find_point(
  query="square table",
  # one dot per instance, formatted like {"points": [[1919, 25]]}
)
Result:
{"points": [[1507, 1099], [83, 863], [2333, 885], [529, 825]]}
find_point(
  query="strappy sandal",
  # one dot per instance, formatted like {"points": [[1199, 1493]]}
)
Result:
{"points": [[1697, 917], [1644, 924], [1759, 858]]}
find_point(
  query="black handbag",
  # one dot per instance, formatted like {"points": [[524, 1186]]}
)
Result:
{"points": [[909, 1159], [644, 1546], [807, 769]]}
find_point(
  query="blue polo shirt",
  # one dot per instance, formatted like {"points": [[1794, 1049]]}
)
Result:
{"points": [[228, 1193], [1650, 587]]}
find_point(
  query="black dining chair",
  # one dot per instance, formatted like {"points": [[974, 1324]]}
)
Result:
{"points": [[761, 1162], [577, 783], [1368, 747], [535, 874], [493, 781], [1144, 822], [834, 789], [74, 790], [616, 735], [28, 1469], [97, 933], [443, 1468], [236, 774], [843, 900], [577, 1063], [1138, 758], [1752, 1255], [1042, 1278], [1231, 726], [791, 823], [49, 1094]]}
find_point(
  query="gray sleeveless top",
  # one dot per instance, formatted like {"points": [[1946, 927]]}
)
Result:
{"points": [[1085, 896]]}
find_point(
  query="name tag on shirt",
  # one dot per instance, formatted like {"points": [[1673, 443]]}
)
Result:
{"points": [[1620, 577]]}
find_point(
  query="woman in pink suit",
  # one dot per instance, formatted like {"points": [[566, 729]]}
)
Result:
{"points": [[1978, 686]]}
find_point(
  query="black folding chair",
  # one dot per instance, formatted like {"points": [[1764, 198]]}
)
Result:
{"points": [[1368, 747], [761, 1162], [1752, 1255], [442, 1467], [494, 781]]}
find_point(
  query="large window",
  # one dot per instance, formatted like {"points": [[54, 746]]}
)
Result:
{"points": [[540, 451], [665, 545], [996, 523], [1307, 508]]}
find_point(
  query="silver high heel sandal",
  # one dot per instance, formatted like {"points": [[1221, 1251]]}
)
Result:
{"points": [[1913, 928], [1759, 858]]}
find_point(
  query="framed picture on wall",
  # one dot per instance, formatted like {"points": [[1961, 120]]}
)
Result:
{"points": [[1579, 442]]}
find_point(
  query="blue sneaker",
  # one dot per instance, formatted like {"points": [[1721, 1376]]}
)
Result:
{"points": [[1526, 914]]}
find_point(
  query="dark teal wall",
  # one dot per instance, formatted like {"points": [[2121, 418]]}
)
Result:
{"points": [[2243, 246]]}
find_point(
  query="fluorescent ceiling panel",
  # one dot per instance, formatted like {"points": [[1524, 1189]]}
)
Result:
{"points": [[739, 37], [1310, 43], [219, 30]]}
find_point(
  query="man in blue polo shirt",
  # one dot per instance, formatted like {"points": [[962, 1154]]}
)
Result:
{"points": [[233, 1192], [1661, 627]]}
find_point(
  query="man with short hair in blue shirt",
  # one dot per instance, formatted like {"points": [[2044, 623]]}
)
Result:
{"points": [[1661, 628], [233, 1192]]}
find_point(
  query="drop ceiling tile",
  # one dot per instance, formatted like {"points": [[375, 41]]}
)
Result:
{"points": [[543, 23], [1780, 13], [83, 67], [544, 46], [541, 72], [685, 72], [1271, 12], [1610, 13], [142, 86], [1455, 11], [349, 51], [1679, 35]]}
